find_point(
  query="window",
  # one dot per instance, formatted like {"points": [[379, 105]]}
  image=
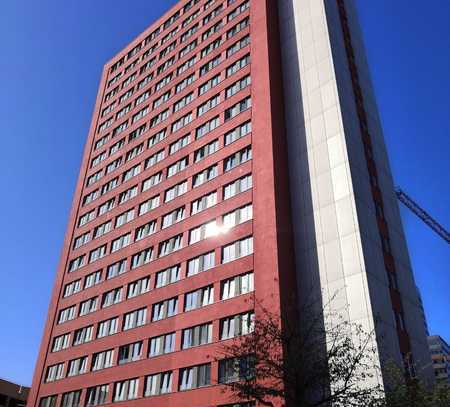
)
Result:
{"points": [[189, 33], [238, 132], [67, 314], [116, 269], [234, 369], [181, 122], [130, 353], [175, 191], [199, 298], [163, 82], [83, 335], [124, 218], [138, 287], [171, 245], [152, 181], [238, 10], [159, 118], [186, 65], [202, 232], [184, 83], [211, 15], [109, 186], [237, 158], [160, 383], [145, 230], [134, 319], [101, 142], [88, 306], [195, 376], [92, 196], [210, 65], [97, 160], [240, 185], [183, 102], [205, 176], [132, 172], [112, 297], [210, 47], [149, 205], [72, 288], [238, 285], [77, 366], [197, 335], [238, 28], [102, 360], [237, 86], [165, 309], [208, 105], [128, 194], [211, 83], [108, 327], [179, 144], [126, 390], [55, 372], [71, 399], [86, 218], [239, 64], [238, 216], [97, 395], [188, 48], [106, 207], [237, 325], [238, 46], [122, 112], [61, 342], [212, 30], [132, 136], [162, 344], [120, 242], [81, 240], [97, 253], [237, 249], [154, 159], [49, 401], [116, 147], [76, 263], [113, 165], [92, 279], [141, 258], [209, 126], [204, 202], [206, 150], [156, 138], [239, 107], [173, 217], [119, 129], [142, 98], [200, 263], [167, 276], [177, 166]]}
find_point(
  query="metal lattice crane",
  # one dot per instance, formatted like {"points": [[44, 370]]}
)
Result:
{"points": [[422, 214]]}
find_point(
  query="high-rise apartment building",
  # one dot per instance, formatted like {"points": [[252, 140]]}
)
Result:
{"points": [[235, 153], [440, 355]]}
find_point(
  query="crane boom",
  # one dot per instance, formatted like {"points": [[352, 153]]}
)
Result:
{"points": [[422, 214]]}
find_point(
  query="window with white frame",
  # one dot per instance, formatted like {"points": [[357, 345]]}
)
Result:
{"points": [[235, 250], [165, 309], [162, 344], [199, 298], [168, 276]]}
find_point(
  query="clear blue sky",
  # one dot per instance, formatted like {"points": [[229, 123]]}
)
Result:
{"points": [[52, 53]]}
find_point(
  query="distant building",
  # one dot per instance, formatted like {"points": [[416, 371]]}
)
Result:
{"points": [[13, 395], [440, 354]]}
